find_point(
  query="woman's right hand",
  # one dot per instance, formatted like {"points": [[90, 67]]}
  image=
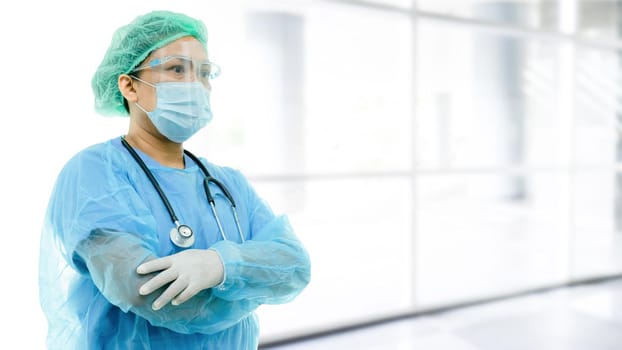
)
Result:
{"points": [[188, 272]]}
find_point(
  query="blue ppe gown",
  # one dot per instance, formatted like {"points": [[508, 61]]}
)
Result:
{"points": [[105, 218]]}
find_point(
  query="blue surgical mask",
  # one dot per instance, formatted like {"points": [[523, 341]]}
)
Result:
{"points": [[181, 110]]}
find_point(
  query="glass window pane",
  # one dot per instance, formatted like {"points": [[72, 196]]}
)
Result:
{"points": [[482, 235], [527, 13], [599, 19], [357, 232], [597, 248], [358, 91], [598, 127], [318, 95], [488, 100], [405, 4]]}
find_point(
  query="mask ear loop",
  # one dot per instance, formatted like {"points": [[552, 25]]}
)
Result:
{"points": [[141, 108], [142, 81]]}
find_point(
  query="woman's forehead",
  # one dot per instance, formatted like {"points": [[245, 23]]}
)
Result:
{"points": [[186, 46]]}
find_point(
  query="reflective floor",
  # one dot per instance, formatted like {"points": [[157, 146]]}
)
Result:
{"points": [[587, 317]]}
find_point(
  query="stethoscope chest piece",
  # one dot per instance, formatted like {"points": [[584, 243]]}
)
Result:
{"points": [[182, 236]]}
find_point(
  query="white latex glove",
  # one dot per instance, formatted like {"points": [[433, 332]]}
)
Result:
{"points": [[190, 272]]}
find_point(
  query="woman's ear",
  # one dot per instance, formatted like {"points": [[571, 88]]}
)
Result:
{"points": [[126, 86]]}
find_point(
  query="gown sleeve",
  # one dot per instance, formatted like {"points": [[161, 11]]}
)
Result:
{"points": [[272, 267], [111, 257]]}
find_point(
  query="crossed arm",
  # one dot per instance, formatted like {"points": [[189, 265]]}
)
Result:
{"points": [[255, 272]]}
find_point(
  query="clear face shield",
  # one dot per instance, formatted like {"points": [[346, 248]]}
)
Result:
{"points": [[177, 68]]}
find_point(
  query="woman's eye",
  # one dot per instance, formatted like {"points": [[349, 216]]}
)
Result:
{"points": [[179, 69]]}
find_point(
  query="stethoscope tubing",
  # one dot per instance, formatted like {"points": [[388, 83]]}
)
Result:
{"points": [[208, 193], [152, 179]]}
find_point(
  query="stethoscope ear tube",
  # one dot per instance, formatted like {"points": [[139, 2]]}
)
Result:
{"points": [[210, 198], [209, 178]]}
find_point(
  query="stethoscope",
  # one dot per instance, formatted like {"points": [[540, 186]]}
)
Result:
{"points": [[182, 235]]}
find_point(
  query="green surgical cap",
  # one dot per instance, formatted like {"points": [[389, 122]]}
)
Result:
{"points": [[130, 45]]}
